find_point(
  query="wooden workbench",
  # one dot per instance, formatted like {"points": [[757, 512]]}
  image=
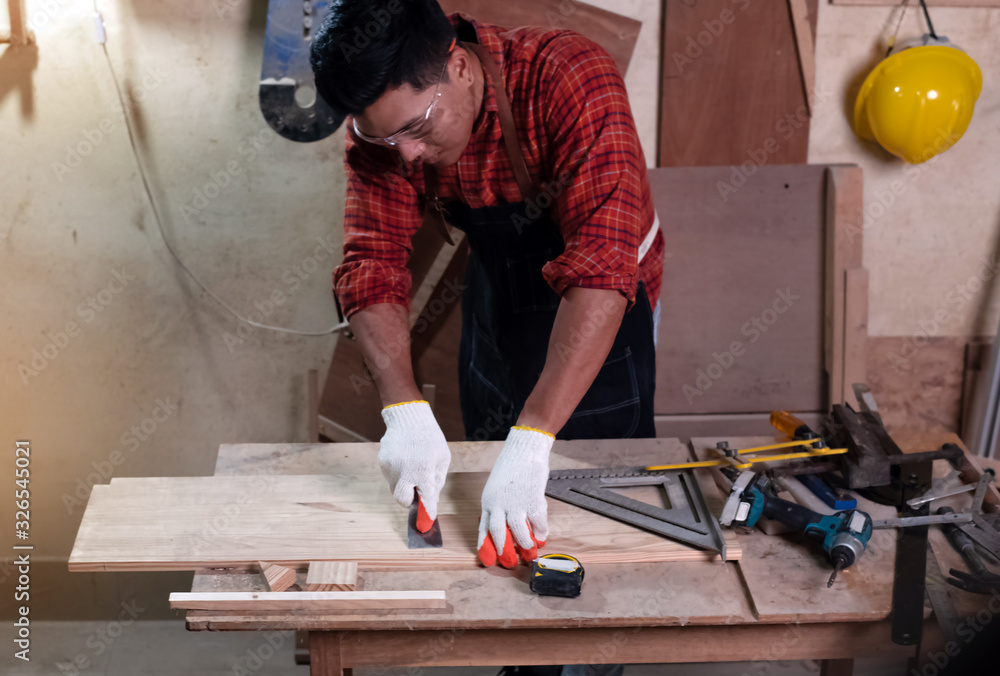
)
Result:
{"points": [[772, 605]]}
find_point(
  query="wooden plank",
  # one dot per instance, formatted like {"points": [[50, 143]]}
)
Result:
{"points": [[796, 590], [805, 48], [350, 399], [626, 594], [931, 3], [615, 33], [308, 602], [855, 331], [762, 644], [325, 657], [277, 578], [312, 401], [917, 381], [975, 362], [435, 274], [843, 241], [360, 461], [20, 34], [744, 267], [332, 576], [191, 523], [456, 646], [337, 432], [429, 393], [435, 343], [730, 85]]}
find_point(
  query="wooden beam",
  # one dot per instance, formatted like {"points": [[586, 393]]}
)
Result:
{"points": [[429, 393], [325, 657], [930, 3], [337, 432], [20, 34], [308, 601], [232, 521], [855, 330], [597, 646], [277, 578], [617, 34], [439, 264], [842, 251], [332, 576], [312, 401], [806, 49]]}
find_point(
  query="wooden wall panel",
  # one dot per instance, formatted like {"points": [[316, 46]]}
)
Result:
{"points": [[918, 380], [730, 83], [732, 255], [616, 33]]}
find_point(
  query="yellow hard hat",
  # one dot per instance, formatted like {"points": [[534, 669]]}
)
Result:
{"points": [[918, 102]]}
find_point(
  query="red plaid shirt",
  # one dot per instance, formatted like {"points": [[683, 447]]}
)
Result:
{"points": [[580, 145]]}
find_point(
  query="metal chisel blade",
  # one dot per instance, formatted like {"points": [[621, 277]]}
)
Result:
{"points": [[414, 538]]}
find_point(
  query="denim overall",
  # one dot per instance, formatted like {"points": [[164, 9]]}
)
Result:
{"points": [[508, 310]]}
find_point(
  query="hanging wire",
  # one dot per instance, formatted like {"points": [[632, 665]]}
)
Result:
{"points": [[899, 22], [927, 16], [342, 326]]}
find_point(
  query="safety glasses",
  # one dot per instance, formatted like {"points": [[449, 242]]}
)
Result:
{"points": [[420, 128]]}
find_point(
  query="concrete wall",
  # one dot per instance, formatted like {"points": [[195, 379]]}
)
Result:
{"points": [[112, 361]]}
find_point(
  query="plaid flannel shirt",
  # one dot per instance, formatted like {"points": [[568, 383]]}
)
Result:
{"points": [[582, 151]]}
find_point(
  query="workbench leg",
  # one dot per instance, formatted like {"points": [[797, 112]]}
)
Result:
{"points": [[324, 654], [302, 647], [836, 667]]}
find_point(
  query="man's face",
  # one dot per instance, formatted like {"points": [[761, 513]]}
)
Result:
{"points": [[432, 126]]}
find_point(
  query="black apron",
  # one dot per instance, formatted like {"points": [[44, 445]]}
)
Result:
{"points": [[508, 310]]}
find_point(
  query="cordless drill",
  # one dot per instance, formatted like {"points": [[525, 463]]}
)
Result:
{"points": [[844, 535]]}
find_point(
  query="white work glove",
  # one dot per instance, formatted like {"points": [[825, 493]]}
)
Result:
{"points": [[514, 499], [414, 454]]}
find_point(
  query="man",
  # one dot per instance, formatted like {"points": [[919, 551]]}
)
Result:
{"points": [[524, 140]]}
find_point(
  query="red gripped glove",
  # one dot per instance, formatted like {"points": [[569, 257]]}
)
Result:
{"points": [[514, 518]]}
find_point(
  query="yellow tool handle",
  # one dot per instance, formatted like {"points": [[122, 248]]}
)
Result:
{"points": [[770, 447], [722, 462], [793, 456], [786, 422]]}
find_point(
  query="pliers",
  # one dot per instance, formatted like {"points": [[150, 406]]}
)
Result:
{"points": [[979, 579]]}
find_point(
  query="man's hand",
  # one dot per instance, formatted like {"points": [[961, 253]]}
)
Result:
{"points": [[514, 519], [413, 454]]}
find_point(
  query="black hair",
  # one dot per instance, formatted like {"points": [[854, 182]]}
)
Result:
{"points": [[364, 47]]}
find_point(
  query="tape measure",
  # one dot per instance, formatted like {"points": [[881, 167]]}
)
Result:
{"points": [[556, 575]]}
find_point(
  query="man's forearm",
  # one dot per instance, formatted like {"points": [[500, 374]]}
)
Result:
{"points": [[383, 332], [584, 331]]}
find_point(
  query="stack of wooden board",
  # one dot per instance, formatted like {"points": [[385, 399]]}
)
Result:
{"points": [[196, 523]]}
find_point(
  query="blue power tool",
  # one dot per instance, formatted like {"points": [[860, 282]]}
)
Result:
{"points": [[844, 535]]}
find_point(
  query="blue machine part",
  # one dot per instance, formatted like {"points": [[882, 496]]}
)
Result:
{"points": [[288, 97]]}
